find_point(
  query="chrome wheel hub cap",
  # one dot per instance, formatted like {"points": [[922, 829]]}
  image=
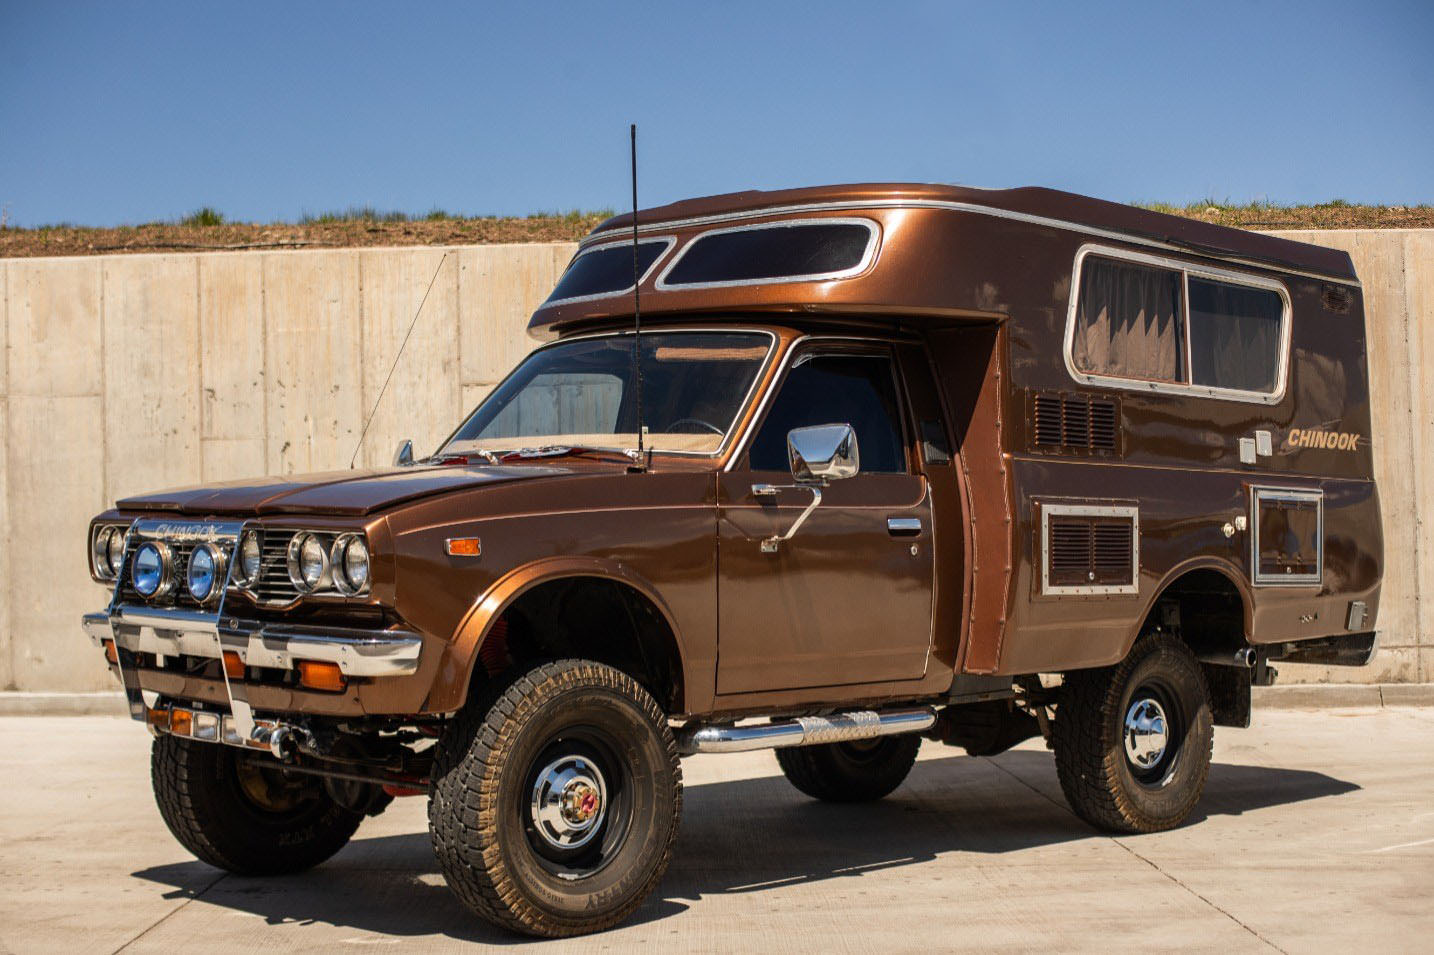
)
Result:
{"points": [[1146, 735], [569, 802]]}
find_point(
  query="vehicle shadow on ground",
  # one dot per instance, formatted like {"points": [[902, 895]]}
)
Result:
{"points": [[739, 836]]}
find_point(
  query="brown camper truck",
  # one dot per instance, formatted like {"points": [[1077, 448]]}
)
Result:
{"points": [[917, 462]]}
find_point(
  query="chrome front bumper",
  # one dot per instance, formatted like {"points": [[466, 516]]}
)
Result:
{"points": [[356, 652], [187, 633]]}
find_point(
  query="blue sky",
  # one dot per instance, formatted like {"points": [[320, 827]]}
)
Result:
{"points": [[128, 112]]}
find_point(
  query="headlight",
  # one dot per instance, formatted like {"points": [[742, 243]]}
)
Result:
{"points": [[205, 574], [151, 570], [107, 550], [116, 549], [246, 571], [308, 563], [100, 552], [350, 562]]}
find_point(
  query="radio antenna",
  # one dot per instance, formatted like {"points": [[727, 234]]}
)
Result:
{"points": [[369, 420], [636, 306]]}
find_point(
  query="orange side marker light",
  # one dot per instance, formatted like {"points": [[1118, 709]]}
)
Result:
{"points": [[464, 547], [110, 653], [233, 666], [321, 675]]}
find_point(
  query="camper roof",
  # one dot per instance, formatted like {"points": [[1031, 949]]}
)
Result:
{"points": [[1030, 203]]}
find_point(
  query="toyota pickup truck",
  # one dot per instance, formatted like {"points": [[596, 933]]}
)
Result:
{"points": [[882, 463]]}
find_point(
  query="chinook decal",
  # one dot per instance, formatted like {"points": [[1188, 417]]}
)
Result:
{"points": [[1319, 438]]}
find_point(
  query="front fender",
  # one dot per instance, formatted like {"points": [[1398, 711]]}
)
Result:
{"points": [[455, 673]]}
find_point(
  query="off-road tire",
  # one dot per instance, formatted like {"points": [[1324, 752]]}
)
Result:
{"points": [[206, 806], [1098, 779], [863, 771], [483, 776]]}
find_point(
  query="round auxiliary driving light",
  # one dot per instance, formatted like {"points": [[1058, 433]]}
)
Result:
{"points": [[151, 572], [308, 562], [246, 572], [205, 573], [350, 562]]}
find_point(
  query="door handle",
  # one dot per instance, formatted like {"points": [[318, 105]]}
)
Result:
{"points": [[903, 526]]}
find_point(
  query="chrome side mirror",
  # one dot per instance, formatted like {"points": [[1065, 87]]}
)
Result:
{"points": [[822, 453], [817, 455], [403, 457]]}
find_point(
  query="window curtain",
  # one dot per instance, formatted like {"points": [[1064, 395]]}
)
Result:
{"points": [[1234, 335], [1128, 321]]}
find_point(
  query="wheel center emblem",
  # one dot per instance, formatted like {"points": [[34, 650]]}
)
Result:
{"points": [[580, 801]]}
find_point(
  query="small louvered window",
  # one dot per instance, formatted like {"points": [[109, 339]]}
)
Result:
{"points": [[1075, 422], [1089, 549]]}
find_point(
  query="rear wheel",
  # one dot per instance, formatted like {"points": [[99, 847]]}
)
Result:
{"points": [[555, 801], [1133, 742], [856, 771], [236, 813]]}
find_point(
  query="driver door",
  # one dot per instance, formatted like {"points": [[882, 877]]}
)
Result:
{"points": [[849, 598]]}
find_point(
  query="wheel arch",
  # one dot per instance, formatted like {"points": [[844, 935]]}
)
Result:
{"points": [[1187, 580], [478, 627]]}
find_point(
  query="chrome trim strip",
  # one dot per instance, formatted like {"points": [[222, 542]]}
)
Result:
{"points": [[357, 652], [670, 241], [868, 254], [977, 208], [1088, 510], [1260, 493], [1173, 387]]}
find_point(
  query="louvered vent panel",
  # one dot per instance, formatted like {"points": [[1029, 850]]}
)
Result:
{"points": [[1075, 422], [1336, 299], [1111, 552], [1090, 551], [1070, 551]]}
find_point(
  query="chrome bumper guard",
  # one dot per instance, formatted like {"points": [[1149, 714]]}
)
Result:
{"points": [[356, 652], [186, 633]]}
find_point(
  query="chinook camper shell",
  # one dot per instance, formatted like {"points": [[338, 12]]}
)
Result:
{"points": [[1124, 419]]}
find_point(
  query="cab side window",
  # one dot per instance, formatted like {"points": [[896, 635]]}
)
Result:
{"points": [[855, 389]]}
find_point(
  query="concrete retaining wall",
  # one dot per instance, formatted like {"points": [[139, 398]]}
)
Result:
{"points": [[131, 373]]}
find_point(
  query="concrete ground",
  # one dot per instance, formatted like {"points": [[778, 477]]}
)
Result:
{"points": [[1316, 832]]}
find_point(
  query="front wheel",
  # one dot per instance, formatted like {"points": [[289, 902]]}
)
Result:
{"points": [[555, 801], [1133, 741]]}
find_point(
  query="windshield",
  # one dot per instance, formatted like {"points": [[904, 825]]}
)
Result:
{"points": [[581, 394]]}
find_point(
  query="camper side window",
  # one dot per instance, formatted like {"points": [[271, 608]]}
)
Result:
{"points": [[1149, 323], [1128, 322], [1234, 335]]}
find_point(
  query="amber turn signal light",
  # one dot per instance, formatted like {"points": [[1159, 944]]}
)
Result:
{"points": [[110, 653], [319, 675], [233, 666], [181, 722], [464, 547]]}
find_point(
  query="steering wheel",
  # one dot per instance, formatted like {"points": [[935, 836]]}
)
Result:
{"points": [[674, 426]]}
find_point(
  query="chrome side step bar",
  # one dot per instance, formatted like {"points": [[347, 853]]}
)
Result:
{"points": [[803, 730]]}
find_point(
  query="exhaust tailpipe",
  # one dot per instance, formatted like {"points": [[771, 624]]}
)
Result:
{"points": [[1243, 659], [803, 731]]}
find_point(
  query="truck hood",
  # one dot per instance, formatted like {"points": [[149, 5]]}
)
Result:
{"points": [[333, 492]]}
